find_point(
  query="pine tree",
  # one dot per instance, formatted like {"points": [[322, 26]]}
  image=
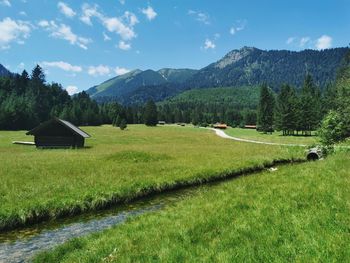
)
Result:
{"points": [[123, 124], [151, 114], [266, 109]]}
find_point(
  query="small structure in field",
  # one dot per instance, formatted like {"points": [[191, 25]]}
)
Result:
{"points": [[220, 125], [57, 133], [253, 127], [161, 122]]}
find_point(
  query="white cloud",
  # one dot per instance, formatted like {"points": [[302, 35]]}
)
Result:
{"points": [[12, 30], [290, 40], [149, 13], [121, 71], [72, 89], [100, 70], [88, 13], [63, 31], [208, 44], [105, 37], [124, 46], [324, 42], [21, 65], [122, 2], [65, 9], [304, 41], [123, 26], [62, 65], [5, 2], [22, 13], [200, 16], [239, 26]]}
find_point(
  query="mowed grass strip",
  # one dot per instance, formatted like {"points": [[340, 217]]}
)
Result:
{"points": [[300, 213], [275, 137], [116, 165]]}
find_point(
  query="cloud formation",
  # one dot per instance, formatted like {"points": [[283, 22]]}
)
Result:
{"points": [[72, 89], [62, 65], [64, 32], [5, 3], [99, 70], [324, 42], [65, 9], [208, 44], [121, 71], [239, 26], [123, 26], [13, 31], [149, 13], [200, 16], [123, 45]]}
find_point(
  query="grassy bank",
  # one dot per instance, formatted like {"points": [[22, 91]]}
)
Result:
{"points": [[117, 165], [299, 213], [275, 137]]}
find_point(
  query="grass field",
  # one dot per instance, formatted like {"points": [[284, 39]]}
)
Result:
{"points": [[116, 165], [299, 213], [275, 137]]}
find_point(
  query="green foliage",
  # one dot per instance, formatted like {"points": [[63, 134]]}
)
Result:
{"points": [[123, 124], [151, 114], [233, 106], [336, 125], [331, 130], [26, 101], [266, 109]]}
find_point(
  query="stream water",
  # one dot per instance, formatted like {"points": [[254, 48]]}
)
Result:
{"points": [[21, 244]]}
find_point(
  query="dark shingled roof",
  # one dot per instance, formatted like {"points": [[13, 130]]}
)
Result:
{"points": [[69, 125]]}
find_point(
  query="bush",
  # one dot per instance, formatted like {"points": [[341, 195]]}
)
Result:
{"points": [[332, 129], [123, 124]]}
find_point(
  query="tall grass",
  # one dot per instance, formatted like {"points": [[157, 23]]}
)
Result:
{"points": [[297, 214], [116, 166]]}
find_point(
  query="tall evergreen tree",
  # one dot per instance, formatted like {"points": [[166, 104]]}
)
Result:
{"points": [[266, 109], [151, 114]]}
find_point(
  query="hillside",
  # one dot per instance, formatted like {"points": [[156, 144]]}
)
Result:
{"points": [[234, 106], [248, 66], [4, 71], [131, 83], [252, 66]]}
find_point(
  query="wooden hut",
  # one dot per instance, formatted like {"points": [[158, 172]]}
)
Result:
{"points": [[220, 126], [57, 133], [253, 127]]}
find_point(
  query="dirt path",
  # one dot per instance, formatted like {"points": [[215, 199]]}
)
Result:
{"points": [[222, 134]]}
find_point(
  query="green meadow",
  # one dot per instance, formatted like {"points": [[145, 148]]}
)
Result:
{"points": [[275, 137], [299, 213], [117, 166]]}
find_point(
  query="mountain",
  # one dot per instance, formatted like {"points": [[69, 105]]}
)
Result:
{"points": [[247, 66], [4, 72], [252, 66], [137, 81]]}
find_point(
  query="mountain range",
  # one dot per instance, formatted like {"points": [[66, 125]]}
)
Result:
{"points": [[247, 66], [4, 72]]}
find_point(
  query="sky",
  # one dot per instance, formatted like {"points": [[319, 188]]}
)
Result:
{"points": [[83, 43]]}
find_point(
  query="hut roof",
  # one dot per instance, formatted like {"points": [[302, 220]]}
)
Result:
{"points": [[67, 124]]}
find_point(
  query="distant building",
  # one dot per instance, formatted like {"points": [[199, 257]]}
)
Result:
{"points": [[57, 133], [220, 126], [161, 122], [250, 127]]}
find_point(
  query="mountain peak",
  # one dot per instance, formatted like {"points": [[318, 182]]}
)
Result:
{"points": [[4, 71], [234, 56]]}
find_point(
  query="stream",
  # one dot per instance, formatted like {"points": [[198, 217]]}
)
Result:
{"points": [[20, 245]]}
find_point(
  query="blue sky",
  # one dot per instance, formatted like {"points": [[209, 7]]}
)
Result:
{"points": [[82, 43]]}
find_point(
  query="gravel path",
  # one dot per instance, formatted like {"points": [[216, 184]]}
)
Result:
{"points": [[222, 134]]}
